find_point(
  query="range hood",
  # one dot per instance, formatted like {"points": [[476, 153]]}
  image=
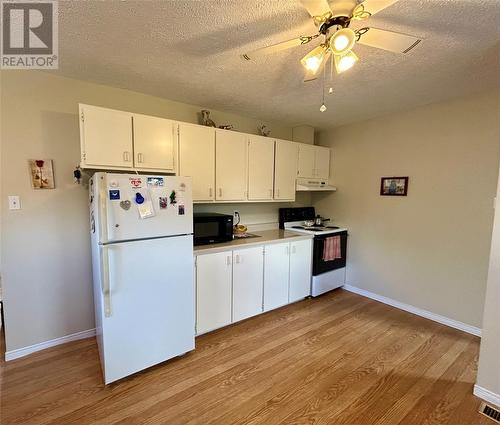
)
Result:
{"points": [[313, 185]]}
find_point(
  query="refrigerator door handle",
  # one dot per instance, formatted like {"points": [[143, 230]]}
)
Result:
{"points": [[106, 290], [104, 209]]}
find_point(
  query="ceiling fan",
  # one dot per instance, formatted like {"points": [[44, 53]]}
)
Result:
{"points": [[333, 18]]}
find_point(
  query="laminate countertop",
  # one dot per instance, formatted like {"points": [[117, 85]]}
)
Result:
{"points": [[265, 237]]}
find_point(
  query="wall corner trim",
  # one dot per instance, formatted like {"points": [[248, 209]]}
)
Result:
{"points": [[415, 310], [21, 352], [487, 395]]}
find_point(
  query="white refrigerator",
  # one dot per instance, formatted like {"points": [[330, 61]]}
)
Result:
{"points": [[142, 254]]}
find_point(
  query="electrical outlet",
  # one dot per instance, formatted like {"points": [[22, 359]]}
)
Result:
{"points": [[14, 203], [236, 216]]}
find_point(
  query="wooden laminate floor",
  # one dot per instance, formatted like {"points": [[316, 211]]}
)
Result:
{"points": [[337, 359]]}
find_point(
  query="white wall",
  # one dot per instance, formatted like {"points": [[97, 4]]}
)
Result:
{"points": [[488, 377], [45, 246], [429, 249]]}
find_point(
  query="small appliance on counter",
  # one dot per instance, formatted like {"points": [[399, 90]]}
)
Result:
{"points": [[212, 228], [329, 247]]}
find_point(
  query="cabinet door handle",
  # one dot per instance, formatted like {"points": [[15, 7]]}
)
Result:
{"points": [[139, 158], [210, 192], [294, 249], [220, 192], [287, 250], [270, 193], [125, 156], [278, 193], [228, 260], [237, 259]]}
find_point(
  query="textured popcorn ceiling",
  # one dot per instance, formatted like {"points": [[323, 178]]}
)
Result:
{"points": [[189, 51]]}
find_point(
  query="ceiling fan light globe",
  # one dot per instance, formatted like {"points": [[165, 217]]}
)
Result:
{"points": [[314, 59], [345, 62], [342, 41]]}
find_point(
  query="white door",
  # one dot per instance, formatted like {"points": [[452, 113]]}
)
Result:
{"points": [[306, 160], [276, 272], [154, 143], [248, 265], [166, 200], [230, 165], [197, 159], [151, 297], [300, 269], [260, 168], [322, 162], [213, 291], [285, 170], [106, 137]]}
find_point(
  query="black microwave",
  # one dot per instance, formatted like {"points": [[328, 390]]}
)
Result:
{"points": [[212, 228]]}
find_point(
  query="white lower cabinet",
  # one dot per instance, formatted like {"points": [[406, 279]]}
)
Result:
{"points": [[300, 269], [236, 284], [213, 291], [276, 270], [248, 269]]}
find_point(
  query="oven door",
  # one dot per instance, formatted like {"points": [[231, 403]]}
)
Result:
{"points": [[321, 266]]}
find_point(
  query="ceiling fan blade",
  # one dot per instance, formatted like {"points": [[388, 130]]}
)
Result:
{"points": [[279, 46], [387, 40], [370, 7], [316, 7]]}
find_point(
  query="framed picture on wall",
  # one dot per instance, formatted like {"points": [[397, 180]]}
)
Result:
{"points": [[41, 173], [394, 186]]}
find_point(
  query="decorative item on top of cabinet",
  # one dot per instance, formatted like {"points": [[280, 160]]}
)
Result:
{"points": [[206, 120], [263, 130]]}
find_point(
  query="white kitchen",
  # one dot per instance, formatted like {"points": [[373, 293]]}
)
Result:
{"points": [[206, 223]]}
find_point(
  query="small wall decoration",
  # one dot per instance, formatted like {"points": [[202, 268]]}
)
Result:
{"points": [[42, 174], [394, 186]]}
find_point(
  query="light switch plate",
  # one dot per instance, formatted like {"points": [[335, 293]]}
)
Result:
{"points": [[14, 203]]}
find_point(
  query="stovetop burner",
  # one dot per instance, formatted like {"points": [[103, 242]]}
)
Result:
{"points": [[316, 228]]}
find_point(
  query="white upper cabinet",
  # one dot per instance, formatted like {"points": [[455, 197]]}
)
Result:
{"points": [[306, 160], [285, 170], [321, 162], [105, 137], [155, 141], [197, 159], [231, 165], [314, 161], [260, 168]]}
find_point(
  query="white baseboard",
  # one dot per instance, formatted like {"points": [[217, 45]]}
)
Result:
{"points": [[487, 395], [21, 352], [415, 310]]}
